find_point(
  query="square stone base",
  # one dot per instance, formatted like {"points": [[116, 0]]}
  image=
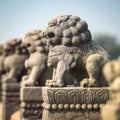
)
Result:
{"points": [[73, 103], [31, 103], [0, 89], [10, 98]]}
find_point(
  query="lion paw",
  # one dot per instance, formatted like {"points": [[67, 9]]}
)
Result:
{"points": [[84, 83], [88, 83], [27, 82], [53, 83]]}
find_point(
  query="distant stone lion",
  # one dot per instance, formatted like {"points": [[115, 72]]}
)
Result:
{"points": [[36, 64], [1, 60], [73, 51], [15, 56], [111, 71]]}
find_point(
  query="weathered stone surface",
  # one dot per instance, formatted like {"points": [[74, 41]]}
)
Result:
{"points": [[36, 64], [31, 103], [0, 110], [71, 115], [1, 68], [111, 111], [73, 51], [10, 98], [73, 103], [75, 95], [31, 94], [15, 54], [38, 73], [0, 90]]}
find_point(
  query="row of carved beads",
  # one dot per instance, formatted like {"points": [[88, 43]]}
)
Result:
{"points": [[72, 106], [30, 105]]}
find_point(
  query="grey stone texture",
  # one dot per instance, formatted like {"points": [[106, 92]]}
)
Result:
{"points": [[31, 103], [73, 103], [15, 55], [10, 98], [1, 68], [73, 51], [0, 90], [36, 64], [111, 111]]}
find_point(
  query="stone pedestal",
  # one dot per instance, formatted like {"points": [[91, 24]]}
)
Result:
{"points": [[10, 98], [111, 110], [0, 89], [0, 99], [73, 103], [0, 110], [31, 103]]}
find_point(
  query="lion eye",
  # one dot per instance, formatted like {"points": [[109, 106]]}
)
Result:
{"points": [[50, 34], [28, 45]]}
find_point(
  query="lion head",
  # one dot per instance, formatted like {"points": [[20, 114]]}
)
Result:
{"points": [[13, 46], [35, 41], [67, 30]]}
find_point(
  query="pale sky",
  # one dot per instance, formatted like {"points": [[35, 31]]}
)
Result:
{"points": [[17, 17]]}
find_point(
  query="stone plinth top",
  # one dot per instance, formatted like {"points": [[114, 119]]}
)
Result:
{"points": [[31, 103], [31, 94], [74, 97]]}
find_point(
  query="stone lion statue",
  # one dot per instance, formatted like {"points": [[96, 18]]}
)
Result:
{"points": [[1, 68], [36, 64], [73, 51], [15, 56], [111, 71], [1, 60]]}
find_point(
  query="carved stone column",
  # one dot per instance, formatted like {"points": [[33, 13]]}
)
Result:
{"points": [[10, 97], [0, 99], [111, 71], [73, 103], [1, 68], [0, 89], [31, 103]]}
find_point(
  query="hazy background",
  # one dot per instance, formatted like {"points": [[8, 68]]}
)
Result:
{"points": [[17, 17]]}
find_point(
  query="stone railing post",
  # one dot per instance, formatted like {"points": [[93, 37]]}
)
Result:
{"points": [[10, 98], [73, 103], [0, 89], [31, 103]]}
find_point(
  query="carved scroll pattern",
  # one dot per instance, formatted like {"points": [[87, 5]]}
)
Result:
{"points": [[87, 96]]}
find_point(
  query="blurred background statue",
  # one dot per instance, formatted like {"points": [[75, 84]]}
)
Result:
{"points": [[111, 110]]}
